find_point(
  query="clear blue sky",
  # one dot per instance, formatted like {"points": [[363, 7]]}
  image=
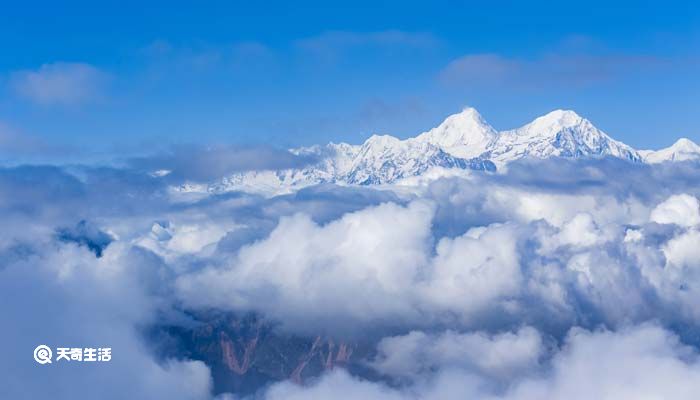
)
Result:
{"points": [[126, 75]]}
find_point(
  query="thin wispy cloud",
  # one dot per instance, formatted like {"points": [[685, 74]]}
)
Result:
{"points": [[13, 141], [330, 45], [205, 163], [206, 56], [60, 83], [553, 70], [18, 146]]}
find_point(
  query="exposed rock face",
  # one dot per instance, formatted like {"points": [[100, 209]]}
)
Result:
{"points": [[85, 234], [246, 353], [230, 358]]}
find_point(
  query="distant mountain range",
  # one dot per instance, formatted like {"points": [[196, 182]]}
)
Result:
{"points": [[462, 141]]}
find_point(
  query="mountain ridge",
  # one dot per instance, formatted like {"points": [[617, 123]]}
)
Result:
{"points": [[464, 141], [683, 149]]}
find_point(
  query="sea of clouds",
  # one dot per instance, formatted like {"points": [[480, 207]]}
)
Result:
{"points": [[558, 279]]}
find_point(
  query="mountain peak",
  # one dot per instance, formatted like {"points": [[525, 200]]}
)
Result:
{"points": [[381, 141], [465, 134], [560, 133], [556, 120], [468, 119], [685, 144], [468, 112], [551, 124], [563, 114], [683, 150], [462, 141]]}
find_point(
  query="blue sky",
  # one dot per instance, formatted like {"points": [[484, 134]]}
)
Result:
{"points": [[124, 77]]}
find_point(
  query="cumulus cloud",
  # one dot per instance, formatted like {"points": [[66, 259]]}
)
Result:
{"points": [[650, 361], [64, 296], [60, 83], [682, 210], [642, 362], [416, 355], [496, 274], [522, 285], [354, 268], [544, 257], [682, 251]]}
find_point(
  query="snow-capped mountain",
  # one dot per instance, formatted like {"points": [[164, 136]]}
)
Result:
{"points": [[463, 141], [683, 150], [558, 134], [561, 133], [383, 159], [465, 134]]}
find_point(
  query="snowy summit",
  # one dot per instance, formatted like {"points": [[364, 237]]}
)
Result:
{"points": [[463, 141]]}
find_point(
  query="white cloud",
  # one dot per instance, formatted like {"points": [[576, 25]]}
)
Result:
{"points": [[177, 239], [390, 265], [681, 209], [633, 235], [580, 231], [60, 83], [338, 385], [644, 362], [63, 296], [484, 70], [472, 282], [331, 41], [355, 268], [683, 251], [469, 274], [416, 355]]}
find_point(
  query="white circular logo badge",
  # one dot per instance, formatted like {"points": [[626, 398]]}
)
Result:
{"points": [[43, 354]]}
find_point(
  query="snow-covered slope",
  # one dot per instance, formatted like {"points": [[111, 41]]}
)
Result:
{"points": [[380, 159], [335, 161], [683, 150], [383, 159], [465, 135], [463, 141], [561, 133]]}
